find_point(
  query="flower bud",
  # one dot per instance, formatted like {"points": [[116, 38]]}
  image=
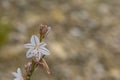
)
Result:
{"points": [[44, 30], [28, 67]]}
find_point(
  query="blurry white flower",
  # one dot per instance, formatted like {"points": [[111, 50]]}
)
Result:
{"points": [[18, 75], [36, 48]]}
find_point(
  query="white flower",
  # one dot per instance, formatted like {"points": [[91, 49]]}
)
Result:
{"points": [[18, 74], [36, 49]]}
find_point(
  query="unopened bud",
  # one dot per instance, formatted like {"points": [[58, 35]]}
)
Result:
{"points": [[44, 30], [28, 67]]}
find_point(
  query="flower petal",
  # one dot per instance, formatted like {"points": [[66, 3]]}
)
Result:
{"points": [[18, 75], [35, 40], [42, 44], [38, 56], [44, 51], [29, 53], [28, 45], [34, 51], [19, 72], [15, 74]]}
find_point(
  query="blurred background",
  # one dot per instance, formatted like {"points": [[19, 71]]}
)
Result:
{"points": [[84, 41]]}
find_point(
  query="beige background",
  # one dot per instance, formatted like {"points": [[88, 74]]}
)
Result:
{"points": [[84, 41]]}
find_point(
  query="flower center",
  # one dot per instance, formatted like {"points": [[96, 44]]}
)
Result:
{"points": [[37, 47]]}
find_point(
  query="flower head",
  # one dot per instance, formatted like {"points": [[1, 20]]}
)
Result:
{"points": [[36, 48], [18, 75]]}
